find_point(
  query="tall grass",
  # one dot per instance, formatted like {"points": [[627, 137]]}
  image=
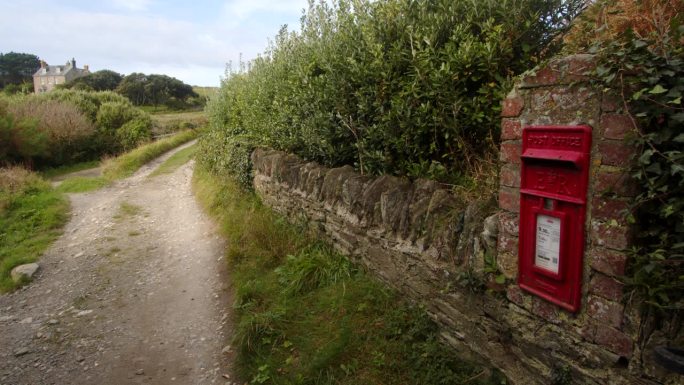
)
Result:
{"points": [[31, 217], [176, 160], [305, 315], [126, 164]]}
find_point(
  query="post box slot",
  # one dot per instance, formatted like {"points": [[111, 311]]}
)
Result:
{"points": [[537, 155]]}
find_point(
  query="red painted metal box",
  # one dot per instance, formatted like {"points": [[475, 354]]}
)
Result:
{"points": [[553, 200]]}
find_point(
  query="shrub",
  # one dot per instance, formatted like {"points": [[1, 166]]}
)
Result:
{"points": [[112, 115], [388, 85], [67, 131], [20, 140], [135, 132], [109, 111]]}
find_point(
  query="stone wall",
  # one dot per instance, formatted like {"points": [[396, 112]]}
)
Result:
{"points": [[445, 253]]}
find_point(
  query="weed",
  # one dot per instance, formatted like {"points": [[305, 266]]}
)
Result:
{"points": [[31, 217], [175, 161], [128, 210], [313, 267], [126, 164], [305, 315]]}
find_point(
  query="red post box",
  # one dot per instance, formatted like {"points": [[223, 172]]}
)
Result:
{"points": [[553, 200]]}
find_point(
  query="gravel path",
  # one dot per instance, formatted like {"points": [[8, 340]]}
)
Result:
{"points": [[134, 292]]}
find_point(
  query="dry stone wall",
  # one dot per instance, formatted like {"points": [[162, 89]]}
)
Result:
{"points": [[441, 251]]}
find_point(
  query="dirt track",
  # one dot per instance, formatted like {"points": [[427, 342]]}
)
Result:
{"points": [[134, 292]]}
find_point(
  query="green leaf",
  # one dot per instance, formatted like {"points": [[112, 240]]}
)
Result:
{"points": [[658, 89], [645, 158], [500, 279]]}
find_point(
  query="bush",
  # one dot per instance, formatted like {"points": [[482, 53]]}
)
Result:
{"points": [[112, 115], [135, 132], [67, 131], [389, 86], [20, 140], [108, 111], [17, 181]]}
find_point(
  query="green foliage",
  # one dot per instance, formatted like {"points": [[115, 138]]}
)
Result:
{"points": [[305, 315], [31, 216], [175, 161], [20, 140], [112, 115], [312, 268], [155, 89], [227, 155], [103, 80], [126, 164], [65, 133], [649, 72], [118, 124], [82, 184], [399, 86], [17, 68], [135, 131], [13, 89]]}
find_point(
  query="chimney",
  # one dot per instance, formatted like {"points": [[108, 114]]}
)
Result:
{"points": [[85, 68], [42, 64], [73, 63]]}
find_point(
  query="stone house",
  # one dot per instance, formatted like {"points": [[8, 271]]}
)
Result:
{"points": [[48, 76]]}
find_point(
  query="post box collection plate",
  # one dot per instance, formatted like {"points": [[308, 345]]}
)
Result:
{"points": [[553, 198]]}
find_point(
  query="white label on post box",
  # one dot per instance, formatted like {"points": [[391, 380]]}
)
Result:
{"points": [[548, 243]]}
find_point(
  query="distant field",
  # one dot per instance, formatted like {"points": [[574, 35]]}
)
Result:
{"points": [[168, 122]]}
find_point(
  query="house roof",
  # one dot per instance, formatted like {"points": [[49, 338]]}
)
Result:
{"points": [[52, 70]]}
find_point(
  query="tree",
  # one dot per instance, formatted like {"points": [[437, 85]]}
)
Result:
{"points": [[17, 68], [103, 80], [133, 87], [154, 89]]}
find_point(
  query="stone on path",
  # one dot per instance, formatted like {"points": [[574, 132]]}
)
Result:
{"points": [[22, 272], [21, 351]]}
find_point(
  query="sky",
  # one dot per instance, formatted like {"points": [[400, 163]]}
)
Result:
{"points": [[189, 40]]}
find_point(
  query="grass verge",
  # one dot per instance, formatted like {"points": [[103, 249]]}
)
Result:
{"points": [[176, 160], [306, 315], [125, 165], [63, 170], [32, 215], [81, 184]]}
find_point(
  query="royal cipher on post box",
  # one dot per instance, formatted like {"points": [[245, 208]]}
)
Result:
{"points": [[553, 200]]}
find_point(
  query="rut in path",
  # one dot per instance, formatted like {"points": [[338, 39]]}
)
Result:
{"points": [[133, 292]]}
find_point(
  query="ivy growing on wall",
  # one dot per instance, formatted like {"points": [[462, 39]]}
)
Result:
{"points": [[647, 70]]}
